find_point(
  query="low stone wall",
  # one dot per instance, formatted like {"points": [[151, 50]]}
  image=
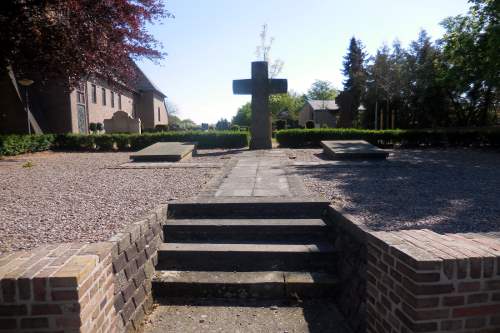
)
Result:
{"points": [[417, 280], [100, 287]]}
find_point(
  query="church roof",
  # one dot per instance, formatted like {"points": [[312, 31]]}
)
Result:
{"points": [[143, 83], [323, 105]]}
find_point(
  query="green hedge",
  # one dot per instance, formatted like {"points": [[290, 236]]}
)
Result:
{"points": [[405, 138], [19, 144]]}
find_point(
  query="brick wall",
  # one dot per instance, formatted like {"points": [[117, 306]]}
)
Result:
{"points": [[420, 281], [417, 280], [350, 242], [73, 287], [57, 288], [134, 255]]}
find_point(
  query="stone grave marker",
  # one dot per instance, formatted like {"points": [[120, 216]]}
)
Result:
{"points": [[165, 152], [260, 87], [353, 149], [121, 122]]}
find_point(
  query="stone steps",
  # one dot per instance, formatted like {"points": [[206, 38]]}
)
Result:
{"points": [[243, 285], [248, 208], [245, 257], [285, 231]]}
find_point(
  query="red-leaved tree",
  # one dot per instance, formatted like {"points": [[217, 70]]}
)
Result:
{"points": [[75, 38]]}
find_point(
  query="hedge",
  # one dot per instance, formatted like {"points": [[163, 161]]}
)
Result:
{"points": [[19, 144], [404, 138]]}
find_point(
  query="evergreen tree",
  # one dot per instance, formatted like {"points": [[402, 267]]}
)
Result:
{"points": [[354, 85]]}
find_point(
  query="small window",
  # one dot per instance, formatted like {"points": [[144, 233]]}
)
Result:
{"points": [[112, 99], [103, 96], [159, 118], [94, 93], [119, 101]]}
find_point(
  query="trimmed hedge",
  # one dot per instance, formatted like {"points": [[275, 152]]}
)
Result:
{"points": [[19, 144], [405, 138]]}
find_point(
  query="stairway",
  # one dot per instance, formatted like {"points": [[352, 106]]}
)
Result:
{"points": [[246, 250]]}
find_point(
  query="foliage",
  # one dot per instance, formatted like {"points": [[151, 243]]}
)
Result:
{"points": [[73, 39], [310, 124], [471, 62], [322, 90], [405, 138], [354, 85], [20, 144], [451, 82], [222, 125], [244, 115], [93, 127], [280, 124]]}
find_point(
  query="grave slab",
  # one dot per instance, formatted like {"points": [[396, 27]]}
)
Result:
{"points": [[353, 149], [165, 151]]}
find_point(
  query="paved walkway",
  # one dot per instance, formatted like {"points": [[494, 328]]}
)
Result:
{"points": [[258, 173]]}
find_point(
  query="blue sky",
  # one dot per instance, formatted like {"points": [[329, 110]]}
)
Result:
{"points": [[212, 42]]}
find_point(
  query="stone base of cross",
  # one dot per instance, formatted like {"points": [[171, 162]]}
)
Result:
{"points": [[260, 87]]}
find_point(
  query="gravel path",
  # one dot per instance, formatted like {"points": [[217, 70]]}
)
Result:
{"points": [[67, 197], [453, 190]]}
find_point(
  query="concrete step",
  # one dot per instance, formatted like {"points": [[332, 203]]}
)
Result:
{"points": [[272, 208], [288, 231], [246, 257], [244, 285]]}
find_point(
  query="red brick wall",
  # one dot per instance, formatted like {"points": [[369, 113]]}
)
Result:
{"points": [[420, 281], [101, 287], [134, 257], [58, 288]]}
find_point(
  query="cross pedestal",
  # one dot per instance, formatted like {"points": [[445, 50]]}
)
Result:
{"points": [[260, 87]]}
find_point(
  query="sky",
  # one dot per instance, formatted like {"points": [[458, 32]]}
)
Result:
{"points": [[209, 43]]}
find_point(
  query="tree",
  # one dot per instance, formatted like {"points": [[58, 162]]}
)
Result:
{"points": [[322, 90], [73, 39], [222, 125], [471, 62], [263, 52], [244, 115], [354, 85]]}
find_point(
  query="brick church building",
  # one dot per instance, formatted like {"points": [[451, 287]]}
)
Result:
{"points": [[55, 109]]}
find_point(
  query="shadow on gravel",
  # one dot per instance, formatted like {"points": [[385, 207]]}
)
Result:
{"points": [[447, 191]]}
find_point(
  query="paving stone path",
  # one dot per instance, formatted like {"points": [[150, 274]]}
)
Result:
{"points": [[250, 254]]}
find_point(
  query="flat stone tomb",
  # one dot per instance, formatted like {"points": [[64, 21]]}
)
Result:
{"points": [[353, 149], [165, 151]]}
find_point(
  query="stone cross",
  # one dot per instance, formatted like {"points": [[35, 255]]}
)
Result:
{"points": [[260, 87]]}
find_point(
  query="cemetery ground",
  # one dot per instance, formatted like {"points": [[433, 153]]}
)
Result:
{"points": [[65, 197], [55, 197]]}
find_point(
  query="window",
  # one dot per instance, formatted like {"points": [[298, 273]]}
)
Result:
{"points": [[94, 93], [159, 118], [103, 96], [119, 101], [80, 93], [112, 99]]}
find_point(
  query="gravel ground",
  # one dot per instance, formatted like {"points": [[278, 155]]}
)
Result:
{"points": [[247, 317], [452, 190], [67, 197]]}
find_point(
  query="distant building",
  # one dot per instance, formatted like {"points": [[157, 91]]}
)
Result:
{"points": [[55, 109], [321, 112]]}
